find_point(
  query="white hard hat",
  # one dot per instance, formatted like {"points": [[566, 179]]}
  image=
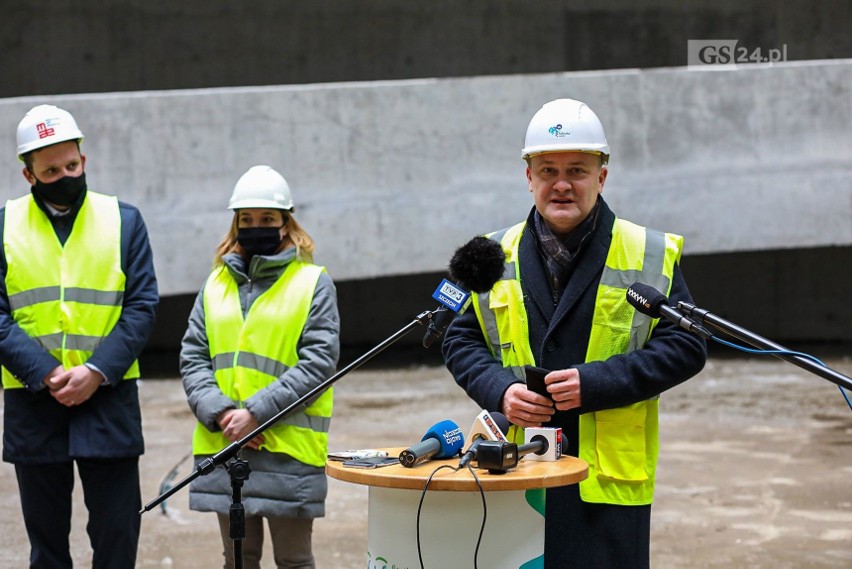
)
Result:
{"points": [[45, 125], [565, 125], [261, 187]]}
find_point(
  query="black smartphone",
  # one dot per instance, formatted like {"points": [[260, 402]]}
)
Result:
{"points": [[535, 379], [372, 462]]}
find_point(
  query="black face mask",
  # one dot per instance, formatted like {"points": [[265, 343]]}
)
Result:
{"points": [[63, 192], [259, 240]]}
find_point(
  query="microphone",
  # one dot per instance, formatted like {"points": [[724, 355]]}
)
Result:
{"points": [[651, 302], [542, 444], [476, 266], [537, 445], [546, 441], [486, 427], [442, 440]]}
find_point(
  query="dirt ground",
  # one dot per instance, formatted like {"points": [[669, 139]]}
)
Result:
{"points": [[755, 469]]}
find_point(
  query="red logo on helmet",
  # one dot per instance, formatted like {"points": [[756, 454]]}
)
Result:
{"points": [[44, 131]]}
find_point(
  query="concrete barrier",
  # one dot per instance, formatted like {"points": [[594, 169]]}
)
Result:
{"points": [[751, 165], [390, 177]]}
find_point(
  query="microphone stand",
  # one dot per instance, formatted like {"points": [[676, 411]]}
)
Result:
{"points": [[762, 343], [239, 470]]}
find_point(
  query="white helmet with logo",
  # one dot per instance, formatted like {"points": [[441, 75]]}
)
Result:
{"points": [[565, 125], [45, 125], [261, 187]]}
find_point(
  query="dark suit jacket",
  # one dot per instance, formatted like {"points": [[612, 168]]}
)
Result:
{"points": [[559, 337], [580, 534]]}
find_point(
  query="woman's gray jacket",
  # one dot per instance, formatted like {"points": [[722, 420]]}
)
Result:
{"points": [[278, 484]]}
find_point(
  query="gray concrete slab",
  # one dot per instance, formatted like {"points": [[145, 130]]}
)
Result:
{"points": [[390, 177]]}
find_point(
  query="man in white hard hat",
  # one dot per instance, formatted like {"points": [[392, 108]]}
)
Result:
{"points": [[78, 297], [563, 307]]}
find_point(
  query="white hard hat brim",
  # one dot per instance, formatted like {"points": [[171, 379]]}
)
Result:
{"points": [[531, 151], [27, 148], [259, 204]]}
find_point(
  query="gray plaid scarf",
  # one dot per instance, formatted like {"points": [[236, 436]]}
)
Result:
{"points": [[559, 254]]}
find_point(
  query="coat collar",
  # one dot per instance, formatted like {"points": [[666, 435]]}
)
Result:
{"points": [[586, 273], [260, 267]]}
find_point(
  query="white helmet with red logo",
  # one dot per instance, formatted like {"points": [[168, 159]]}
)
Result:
{"points": [[45, 125], [261, 187], [565, 125]]}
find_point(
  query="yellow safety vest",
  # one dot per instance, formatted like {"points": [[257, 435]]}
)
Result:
{"points": [[66, 297], [621, 445], [251, 353]]}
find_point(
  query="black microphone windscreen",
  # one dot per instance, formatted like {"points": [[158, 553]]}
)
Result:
{"points": [[478, 264], [646, 299]]}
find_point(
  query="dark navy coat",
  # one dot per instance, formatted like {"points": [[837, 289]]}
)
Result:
{"points": [[39, 430], [559, 338]]}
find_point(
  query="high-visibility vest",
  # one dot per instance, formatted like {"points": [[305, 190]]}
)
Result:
{"points": [[249, 353], [620, 445], [66, 297]]}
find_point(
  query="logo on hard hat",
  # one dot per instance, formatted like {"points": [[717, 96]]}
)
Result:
{"points": [[44, 130], [557, 131]]}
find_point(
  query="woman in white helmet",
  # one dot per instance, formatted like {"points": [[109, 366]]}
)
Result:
{"points": [[263, 332]]}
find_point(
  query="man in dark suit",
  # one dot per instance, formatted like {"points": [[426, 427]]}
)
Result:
{"points": [[562, 306], [78, 297]]}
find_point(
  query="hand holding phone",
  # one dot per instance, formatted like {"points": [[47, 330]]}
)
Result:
{"points": [[535, 380]]}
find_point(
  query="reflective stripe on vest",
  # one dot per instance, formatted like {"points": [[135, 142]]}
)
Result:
{"points": [[67, 297], [621, 445], [250, 353]]}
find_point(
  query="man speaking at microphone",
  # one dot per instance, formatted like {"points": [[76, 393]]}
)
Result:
{"points": [[563, 307]]}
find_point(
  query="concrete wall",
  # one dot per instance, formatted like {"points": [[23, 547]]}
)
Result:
{"points": [[391, 177], [76, 46]]}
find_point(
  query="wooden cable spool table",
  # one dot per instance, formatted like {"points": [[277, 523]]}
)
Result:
{"points": [[452, 510]]}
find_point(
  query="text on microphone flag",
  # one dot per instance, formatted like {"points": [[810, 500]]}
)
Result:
{"points": [[451, 296], [495, 430], [453, 436], [638, 298]]}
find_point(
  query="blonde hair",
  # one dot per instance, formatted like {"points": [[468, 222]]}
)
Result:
{"points": [[296, 237]]}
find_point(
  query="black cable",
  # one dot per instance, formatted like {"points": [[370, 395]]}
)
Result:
{"points": [[166, 483], [484, 512], [484, 516], [420, 508]]}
